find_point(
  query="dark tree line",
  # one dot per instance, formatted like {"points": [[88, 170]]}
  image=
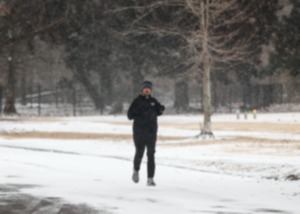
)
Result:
{"points": [[287, 44], [20, 22], [213, 36]]}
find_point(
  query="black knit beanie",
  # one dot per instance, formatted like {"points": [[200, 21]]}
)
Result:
{"points": [[147, 84]]}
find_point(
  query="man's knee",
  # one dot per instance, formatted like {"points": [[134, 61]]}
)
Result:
{"points": [[140, 151], [150, 153]]}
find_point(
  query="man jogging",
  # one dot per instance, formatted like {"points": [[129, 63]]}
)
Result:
{"points": [[144, 111]]}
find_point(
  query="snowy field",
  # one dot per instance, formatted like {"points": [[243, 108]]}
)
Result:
{"points": [[84, 165]]}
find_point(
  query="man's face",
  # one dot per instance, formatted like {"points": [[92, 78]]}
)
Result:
{"points": [[147, 91]]}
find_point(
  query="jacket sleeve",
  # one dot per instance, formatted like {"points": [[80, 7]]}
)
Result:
{"points": [[159, 108], [133, 110]]}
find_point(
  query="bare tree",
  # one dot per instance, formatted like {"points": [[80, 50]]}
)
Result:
{"points": [[225, 38], [215, 34], [20, 23]]}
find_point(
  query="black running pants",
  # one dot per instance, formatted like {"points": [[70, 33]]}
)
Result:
{"points": [[141, 143]]}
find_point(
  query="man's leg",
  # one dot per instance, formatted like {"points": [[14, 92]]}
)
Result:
{"points": [[151, 159], [139, 153]]}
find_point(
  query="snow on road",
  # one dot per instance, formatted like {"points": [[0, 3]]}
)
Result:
{"points": [[216, 176]]}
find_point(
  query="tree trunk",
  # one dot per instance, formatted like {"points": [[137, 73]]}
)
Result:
{"points": [[214, 91], [137, 79], [1, 93], [207, 107], [23, 88], [246, 93], [206, 129], [181, 102], [89, 87], [106, 86], [9, 107]]}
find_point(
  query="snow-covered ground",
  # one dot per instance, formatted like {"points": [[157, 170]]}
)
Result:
{"points": [[251, 166]]}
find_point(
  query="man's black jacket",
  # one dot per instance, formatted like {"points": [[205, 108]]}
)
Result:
{"points": [[144, 112]]}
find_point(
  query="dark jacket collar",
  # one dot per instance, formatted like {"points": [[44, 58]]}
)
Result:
{"points": [[144, 97]]}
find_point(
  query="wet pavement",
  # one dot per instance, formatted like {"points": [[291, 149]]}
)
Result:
{"points": [[12, 201]]}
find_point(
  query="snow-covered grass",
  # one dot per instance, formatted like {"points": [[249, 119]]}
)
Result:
{"points": [[247, 168]]}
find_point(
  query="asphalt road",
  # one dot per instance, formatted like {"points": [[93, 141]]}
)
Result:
{"points": [[12, 201]]}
